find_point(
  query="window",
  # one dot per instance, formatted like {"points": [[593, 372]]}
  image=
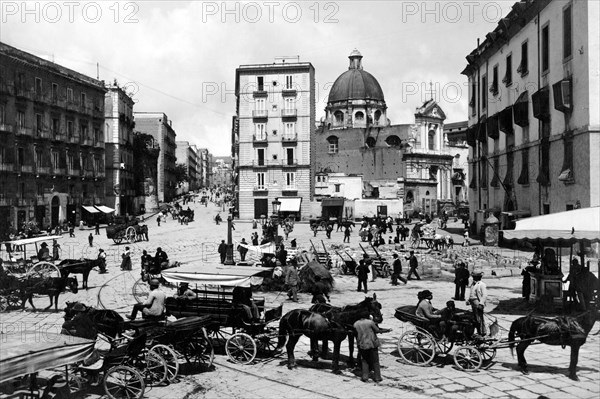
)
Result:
{"points": [[339, 117], [55, 125], [83, 99], [69, 94], [337, 187], [260, 181], [289, 152], [472, 104], [260, 83], [289, 130], [84, 130], [290, 180], [370, 142], [496, 171], [54, 92], [97, 165], [377, 116], [431, 140], [70, 131], [524, 176], [523, 68], [21, 119], [38, 157], [21, 156], [39, 123], [38, 86], [567, 33], [566, 173], [55, 162], [260, 104], [359, 116], [393, 141], [261, 131], [289, 82], [494, 86], [2, 114], [508, 75], [483, 92], [545, 48], [97, 137], [260, 156], [290, 103], [333, 144]]}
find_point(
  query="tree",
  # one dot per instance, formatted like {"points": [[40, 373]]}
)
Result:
{"points": [[181, 173]]}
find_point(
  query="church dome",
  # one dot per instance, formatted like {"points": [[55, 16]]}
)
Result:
{"points": [[355, 83]]}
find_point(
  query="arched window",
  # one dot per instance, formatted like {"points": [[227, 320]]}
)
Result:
{"points": [[431, 140], [377, 116], [370, 142], [359, 116], [393, 141], [339, 117], [333, 144], [409, 197]]}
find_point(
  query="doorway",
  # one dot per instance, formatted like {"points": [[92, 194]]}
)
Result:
{"points": [[261, 207], [54, 211]]}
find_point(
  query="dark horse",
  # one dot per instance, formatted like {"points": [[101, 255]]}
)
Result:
{"points": [[52, 287], [347, 316], [313, 325], [107, 322], [79, 266], [565, 331]]}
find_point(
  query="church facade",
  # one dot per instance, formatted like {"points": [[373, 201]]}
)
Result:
{"points": [[410, 163]]}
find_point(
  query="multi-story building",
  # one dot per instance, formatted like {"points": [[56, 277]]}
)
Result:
{"points": [[457, 146], [205, 161], [275, 121], [51, 142], [197, 177], [158, 125], [222, 172], [119, 124], [186, 155], [145, 172], [534, 105]]}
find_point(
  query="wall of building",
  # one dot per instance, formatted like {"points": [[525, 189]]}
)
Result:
{"points": [[368, 207]]}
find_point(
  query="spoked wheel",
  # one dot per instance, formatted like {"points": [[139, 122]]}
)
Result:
{"points": [[43, 270], [199, 352], [386, 270], [130, 234], [118, 240], [467, 358], [417, 347], [487, 354], [241, 348], [140, 291], [124, 382], [3, 304], [445, 345], [170, 358], [267, 342], [155, 372]]}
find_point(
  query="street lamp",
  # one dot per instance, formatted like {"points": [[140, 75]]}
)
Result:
{"points": [[229, 254], [275, 218]]}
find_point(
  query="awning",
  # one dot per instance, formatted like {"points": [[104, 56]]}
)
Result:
{"points": [[518, 213], [492, 127], [229, 276], [332, 202], [472, 135], [91, 209], [104, 209], [290, 204], [521, 110], [541, 104], [551, 236], [33, 240], [21, 356], [505, 119], [482, 132]]}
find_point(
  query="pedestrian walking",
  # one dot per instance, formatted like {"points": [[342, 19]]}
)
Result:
{"points": [[399, 231], [55, 250], [126, 260], [347, 234], [254, 224], [477, 298], [91, 239], [71, 231], [328, 230], [158, 220], [413, 264], [397, 270], [97, 229], [222, 251], [461, 280], [242, 249], [466, 237], [102, 259], [362, 271], [368, 347], [81, 224], [255, 238], [293, 243], [291, 280]]}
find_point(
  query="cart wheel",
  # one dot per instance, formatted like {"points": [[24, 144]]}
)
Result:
{"points": [[124, 382], [267, 342], [241, 348], [117, 240], [445, 345], [140, 291], [487, 354], [199, 352], [417, 347], [130, 234], [3, 304], [155, 372], [43, 270], [467, 358], [170, 357], [386, 271]]}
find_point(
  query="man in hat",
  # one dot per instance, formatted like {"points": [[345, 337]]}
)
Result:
{"points": [[44, 252], [184, 292], [154, 306], [242, 249], [368, 344], [102, 259], [222, 250], [397, 270], [91, 239], [362, 271], [413, 264], [477, 297], [161, 260], [461, 280], [291, 280]]}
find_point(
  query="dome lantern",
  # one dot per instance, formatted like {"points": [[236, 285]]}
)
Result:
{"points": [[355, 60]]}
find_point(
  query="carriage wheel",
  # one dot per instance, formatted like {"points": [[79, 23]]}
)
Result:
{"points": [[241, 348], [467, 358], [417, 347], [199, 352], [117, 240], [487, 354], [43, 270], [130, 234], [140, 291], [267, 342], [170, 356], [124, 382], [3, 304], [445, 346], [386, 270], [155, 372]]}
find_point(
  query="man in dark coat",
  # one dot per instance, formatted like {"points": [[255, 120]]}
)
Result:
{"points": [[328, 230], [320, 291], [461, 280], [222, 250], [362, 271], [242, 249], [397, 270], [413, 264], [161, 260]]}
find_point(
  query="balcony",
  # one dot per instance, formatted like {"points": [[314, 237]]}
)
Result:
{"points": [[72, 106], [260, 114], [58, 135], [58, 101], [23, 202], [58, 172], [260, 94], [289, 113], [6, 128], [73, 139], [42, 170], [6, 201], [40, 97], [23, 169], [44, 134], [72, 172], [289, 163], [7, 88], [99, 143], [7, 167], [98, 112], [89, 174], [289, 190], [24, 131], [22, 93], [259, 163], [260, 189], [289, 93], [99, 175], [260, 141], [87, 141], [289, 139]]}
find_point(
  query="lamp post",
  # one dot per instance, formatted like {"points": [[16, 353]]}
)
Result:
{"points": [[229, 254], [275, 219]]}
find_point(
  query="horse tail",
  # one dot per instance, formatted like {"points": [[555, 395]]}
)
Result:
{"points": [[515, 327]]}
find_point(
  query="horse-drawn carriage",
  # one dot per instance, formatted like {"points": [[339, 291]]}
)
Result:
{"points": [[321, 223], [129, 231]]}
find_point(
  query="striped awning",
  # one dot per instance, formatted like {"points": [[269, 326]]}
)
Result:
{"points": [[104, 209], [90, 209]]}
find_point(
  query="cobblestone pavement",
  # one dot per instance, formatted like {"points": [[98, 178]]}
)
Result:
{"points": [[270, 378]]}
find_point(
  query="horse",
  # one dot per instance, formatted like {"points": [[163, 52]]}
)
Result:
{"points": [[108, 322], [297, 322], [347, 316], [79, 266], [52, 287], [565, 331]]}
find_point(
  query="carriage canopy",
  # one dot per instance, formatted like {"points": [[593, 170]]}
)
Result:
{"points": [[31, 351], [230, 276]]}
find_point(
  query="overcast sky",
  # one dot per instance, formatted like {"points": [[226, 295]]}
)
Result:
{"points": [[180, 57]]}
